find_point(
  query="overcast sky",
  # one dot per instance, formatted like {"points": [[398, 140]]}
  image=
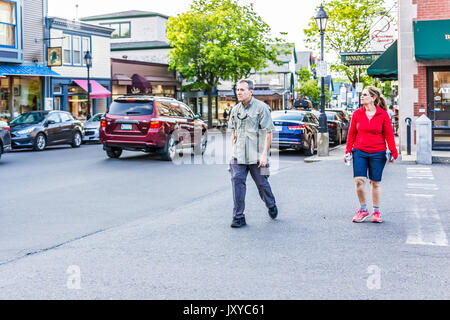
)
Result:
{"points": [[290, 16]]}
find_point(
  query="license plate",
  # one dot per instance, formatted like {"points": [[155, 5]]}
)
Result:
{"points": [[126, 127], [278, 128]]}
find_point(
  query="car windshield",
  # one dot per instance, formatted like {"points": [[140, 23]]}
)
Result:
{"points": [[96, 118], [131, 108], [29, 118], [296, 116]]}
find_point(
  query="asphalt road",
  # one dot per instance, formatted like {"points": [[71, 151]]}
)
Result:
{"points": [[77, 225]]}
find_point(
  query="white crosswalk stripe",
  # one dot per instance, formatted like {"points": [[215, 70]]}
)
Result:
{"points": [[424, 226]]}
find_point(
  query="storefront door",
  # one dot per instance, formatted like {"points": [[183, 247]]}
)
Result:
{"points": [[439, 106]]}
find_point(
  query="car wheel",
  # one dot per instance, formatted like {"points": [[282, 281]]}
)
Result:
{"points": [[114, 153], [76, 140], [311, 147], [170, 149], [201, 147], [40, 142]]}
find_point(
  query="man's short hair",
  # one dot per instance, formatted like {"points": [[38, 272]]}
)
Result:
{"points": [[250, 83]]}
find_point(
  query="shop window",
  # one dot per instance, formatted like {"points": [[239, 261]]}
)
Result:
{"points": [[8, 23], [27, 94], [5, 114]]}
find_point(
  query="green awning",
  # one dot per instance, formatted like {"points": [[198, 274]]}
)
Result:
{"points": [[432, 39], [385, 67]]}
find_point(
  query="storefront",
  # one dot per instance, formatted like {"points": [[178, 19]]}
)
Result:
{"points": [[71, 95], [439, 106], [198, 102], [270, 97], [432, 50], [21, 89]]}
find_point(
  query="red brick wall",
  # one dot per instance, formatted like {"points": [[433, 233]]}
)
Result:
{"points": [[427, 10], [432, 9], [420, 83]]}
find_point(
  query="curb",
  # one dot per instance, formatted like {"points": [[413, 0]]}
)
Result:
{"points": [[316, 158]]}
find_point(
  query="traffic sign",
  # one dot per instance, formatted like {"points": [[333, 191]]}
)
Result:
{"points": [[322, 69], [359, 87]]}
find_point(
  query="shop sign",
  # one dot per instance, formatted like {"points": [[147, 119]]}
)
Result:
{"points": [[359, 58], [48, 103], [383, 33], [54, 57], [444, 90]]}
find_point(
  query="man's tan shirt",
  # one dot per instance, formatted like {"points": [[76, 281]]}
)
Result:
{"points": [[250, 126]]}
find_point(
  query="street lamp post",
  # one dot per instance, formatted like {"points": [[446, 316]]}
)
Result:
{"points": [[88, 63], [323, 147]]}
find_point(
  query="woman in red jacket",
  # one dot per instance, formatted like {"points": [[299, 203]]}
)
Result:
{"points": [[370, 129]]}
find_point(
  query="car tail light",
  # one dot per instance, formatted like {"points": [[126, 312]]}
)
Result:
{"points": [[155, 124], [296, 127], [332, 125], [103, 123]]}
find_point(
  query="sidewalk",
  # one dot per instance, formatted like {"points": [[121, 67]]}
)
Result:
{"points": [[337, 153]]}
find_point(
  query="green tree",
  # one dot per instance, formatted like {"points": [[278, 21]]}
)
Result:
{"points": [[309, 87], [219, 40], [348, 30]]}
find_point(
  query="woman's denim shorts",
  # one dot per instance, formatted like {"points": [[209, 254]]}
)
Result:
{"points": [[373, 163]]}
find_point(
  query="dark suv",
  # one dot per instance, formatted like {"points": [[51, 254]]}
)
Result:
{"points": [[5, 138], [151, 124]]}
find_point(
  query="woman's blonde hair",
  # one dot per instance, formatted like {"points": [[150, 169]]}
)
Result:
{"points": [[379, 99]]}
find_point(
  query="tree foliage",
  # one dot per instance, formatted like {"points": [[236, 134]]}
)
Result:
{"points": [[309, 87], [348, 30], [219, 40]]}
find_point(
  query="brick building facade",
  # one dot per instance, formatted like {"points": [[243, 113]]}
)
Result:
{"points": [[424, 68]]}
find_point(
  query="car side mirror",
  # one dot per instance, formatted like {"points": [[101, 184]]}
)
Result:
{"points": [[50, 122]]}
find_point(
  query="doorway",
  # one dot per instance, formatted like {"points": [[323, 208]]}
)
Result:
{"points": [[438, 87]]}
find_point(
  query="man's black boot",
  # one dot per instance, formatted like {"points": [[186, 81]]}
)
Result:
{"points": [[238, 222], [273, 212]]}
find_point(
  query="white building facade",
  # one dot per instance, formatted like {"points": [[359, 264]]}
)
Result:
{"points": [[69, 91]]}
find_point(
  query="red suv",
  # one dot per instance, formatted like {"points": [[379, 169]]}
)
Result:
{"points": [[151, 124]]}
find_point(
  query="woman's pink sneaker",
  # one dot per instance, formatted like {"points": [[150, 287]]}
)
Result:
{"points": [[376, 217], [360, 216]]}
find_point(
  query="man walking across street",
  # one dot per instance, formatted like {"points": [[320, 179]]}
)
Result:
{"points": [[252, 128]]}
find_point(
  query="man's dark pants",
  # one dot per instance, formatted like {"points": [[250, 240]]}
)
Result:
{"points": [[239, 174]]}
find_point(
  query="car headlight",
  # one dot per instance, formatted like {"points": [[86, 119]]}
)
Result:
{"points": [[25, 131]]}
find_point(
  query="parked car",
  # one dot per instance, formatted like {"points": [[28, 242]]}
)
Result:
{"points": [[151, 124], [39, 129], [296, 129], [337, 128], [344, 114], [92, 128], [5, 138]]}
